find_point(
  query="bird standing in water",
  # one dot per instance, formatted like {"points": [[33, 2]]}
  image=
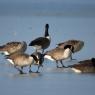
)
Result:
{"points": [[42, 42], [59, 54], [21, 60], [77, 44]]}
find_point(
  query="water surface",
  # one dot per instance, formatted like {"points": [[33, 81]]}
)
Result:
{"points": [[51, 81]]}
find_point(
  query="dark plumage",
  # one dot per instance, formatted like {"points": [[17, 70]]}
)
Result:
{"points": [[85, 66], [42, 42]]}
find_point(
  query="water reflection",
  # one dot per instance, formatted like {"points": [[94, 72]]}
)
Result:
{"points": [[17, 75]]}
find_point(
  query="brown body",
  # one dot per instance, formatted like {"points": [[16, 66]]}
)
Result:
{"points": [[85, 66], [20, 59], [13, 47], [77, 44], [59, 54], [56, 54]]}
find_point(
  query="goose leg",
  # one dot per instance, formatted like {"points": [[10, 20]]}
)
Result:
{"points": [[42, 51], [38, 69], [62, 63], [57, 64], [30, 69], [36, 51], [20, 70], [72, 58]]}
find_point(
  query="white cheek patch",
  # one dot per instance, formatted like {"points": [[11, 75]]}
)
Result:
{"points": [[76, 70], [67, 53], [48, 37], [38, 47], [11, 61], [49, 57]]}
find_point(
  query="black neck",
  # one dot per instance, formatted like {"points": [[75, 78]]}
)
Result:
{"points": [[46, 30], [34, 57], [70, 47], [93, 60], [46, 33]]}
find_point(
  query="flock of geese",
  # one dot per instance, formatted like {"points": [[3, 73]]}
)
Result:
{"points": [[15, 53]]}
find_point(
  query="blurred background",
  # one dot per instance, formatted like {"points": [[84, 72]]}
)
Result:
{"points": [[48, 7], [24, 20]]}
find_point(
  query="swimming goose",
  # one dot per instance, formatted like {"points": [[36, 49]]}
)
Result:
{"points": [[42, 42], [21, 60], [77, 44], [85, 66], [12, 47], [59, 54]]}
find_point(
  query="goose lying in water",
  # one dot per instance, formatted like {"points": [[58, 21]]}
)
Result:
{"points": [[85, 66]]}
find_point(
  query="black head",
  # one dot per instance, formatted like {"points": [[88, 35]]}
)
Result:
{"points": [[47, 26], [46, 30], [34, 57], [93, 60], [38, 57], [70, 47]]}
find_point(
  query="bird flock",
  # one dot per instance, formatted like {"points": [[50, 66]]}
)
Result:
{"points": [[14, 52]]}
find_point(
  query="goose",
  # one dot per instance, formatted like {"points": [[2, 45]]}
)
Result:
{"points": [[77, 44], [85, 66], [12, 47], [40, 61], [20, 60], [42, 42], [59, 54]]}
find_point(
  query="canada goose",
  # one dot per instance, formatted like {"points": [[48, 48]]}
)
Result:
{"points": [[42, 42], [77, 44], [59, 54], [40, 58], [19, 59], [12, 47], [85, 66]]}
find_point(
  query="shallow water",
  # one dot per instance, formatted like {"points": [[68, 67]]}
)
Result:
{"points": [[50, 81]]}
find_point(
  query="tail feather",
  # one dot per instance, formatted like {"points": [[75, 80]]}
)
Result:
{"points": [[6, 56]]}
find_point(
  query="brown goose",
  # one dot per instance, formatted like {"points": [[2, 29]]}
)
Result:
{"points": [[12, 47], [85, 66], [42, 42], [21, 60], [59, 54], [77, 44]]}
